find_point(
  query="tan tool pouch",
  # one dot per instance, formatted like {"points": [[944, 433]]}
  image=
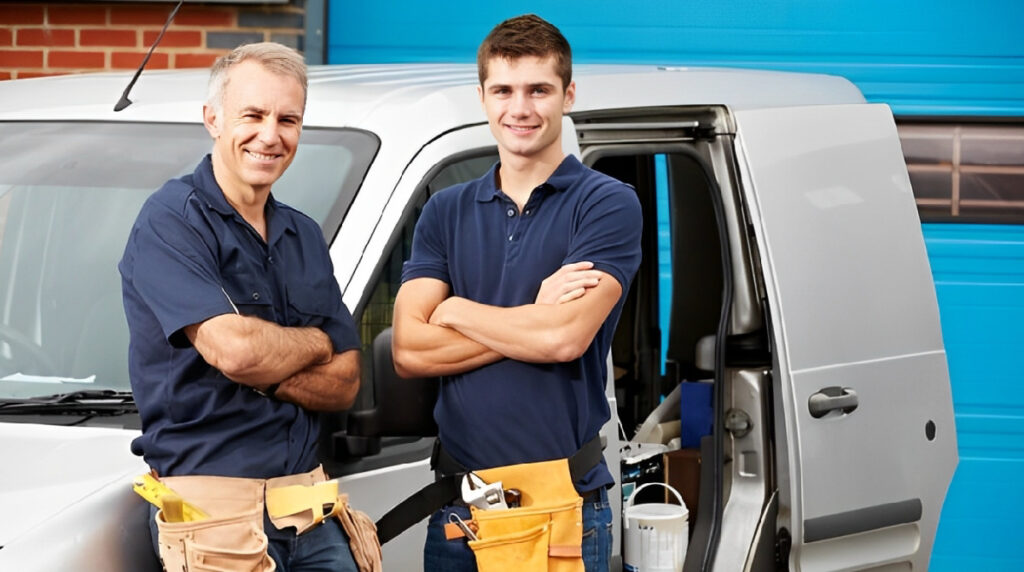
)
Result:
{"points": [[232, 539], [362, 537], [300, 501], [544, 533]]}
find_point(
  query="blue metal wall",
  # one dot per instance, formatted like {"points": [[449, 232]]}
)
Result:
{"points": [[923, 57], [979, 279]]}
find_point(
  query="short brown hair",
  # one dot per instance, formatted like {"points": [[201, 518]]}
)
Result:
{"points": [[526, 35], [277, 58]]}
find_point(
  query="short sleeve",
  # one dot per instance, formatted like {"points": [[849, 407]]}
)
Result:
{"points": [[341, 328], [429, 257], [174, 272], [608, 231], [317, 302]]}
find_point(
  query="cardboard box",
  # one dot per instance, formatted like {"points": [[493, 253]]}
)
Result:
{"points": [[682, 472]]}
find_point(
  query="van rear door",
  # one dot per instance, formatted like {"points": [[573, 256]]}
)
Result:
{"points": [[864, 415]]}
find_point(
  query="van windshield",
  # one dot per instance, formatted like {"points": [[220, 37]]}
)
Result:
{"points": [[69, 193]]}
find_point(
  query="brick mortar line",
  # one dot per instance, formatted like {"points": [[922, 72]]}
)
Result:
{"points": [[145, 27]]}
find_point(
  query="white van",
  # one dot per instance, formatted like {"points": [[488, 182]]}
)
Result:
{"points": [[799, 285]]}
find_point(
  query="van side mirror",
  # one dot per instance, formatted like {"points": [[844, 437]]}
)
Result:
{"points": [[401, 407]]}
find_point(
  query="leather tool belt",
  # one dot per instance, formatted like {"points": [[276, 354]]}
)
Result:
{"points": [[544, 533], [558, 538], [232, 537]]}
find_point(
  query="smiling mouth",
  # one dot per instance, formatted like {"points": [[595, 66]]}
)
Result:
{"points": [[521, 128], [261, 156]]}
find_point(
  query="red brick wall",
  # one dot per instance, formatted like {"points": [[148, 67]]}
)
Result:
{"points": [[46, 38]]}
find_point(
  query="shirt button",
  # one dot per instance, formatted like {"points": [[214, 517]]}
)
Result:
{"points": [[255, 295], [270, 259], [510, 238], [511, 212], [527, 211]]}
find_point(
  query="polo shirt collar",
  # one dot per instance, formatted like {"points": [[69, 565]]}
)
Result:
{"points": [[567, 173], [211, 192], [208, 188]]}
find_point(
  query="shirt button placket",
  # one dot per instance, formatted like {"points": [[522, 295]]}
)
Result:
{"points": [[510, 213]]}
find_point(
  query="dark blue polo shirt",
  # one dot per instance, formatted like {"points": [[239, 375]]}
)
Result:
{"points": [[472, 237], [191, 256]]}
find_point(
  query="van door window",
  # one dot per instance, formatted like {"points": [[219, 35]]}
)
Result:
{"points": [[377, 312], [362, 447]]}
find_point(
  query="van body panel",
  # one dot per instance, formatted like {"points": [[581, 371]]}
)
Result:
{"points": [[836, 202], [855, 324]]}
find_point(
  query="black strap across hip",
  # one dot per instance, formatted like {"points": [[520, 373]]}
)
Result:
{"points": [[447, 487]]}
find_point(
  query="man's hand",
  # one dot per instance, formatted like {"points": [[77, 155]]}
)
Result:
{"points": [[568, 283]]}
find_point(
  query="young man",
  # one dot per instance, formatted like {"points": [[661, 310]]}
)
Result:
{"points": [[239, 335], [514, 288]]}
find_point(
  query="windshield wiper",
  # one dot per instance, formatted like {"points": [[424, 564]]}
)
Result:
{"points": [[96, 401]]}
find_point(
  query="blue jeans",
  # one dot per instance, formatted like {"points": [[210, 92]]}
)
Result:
{"points": [[442, 555], [323, 548]]}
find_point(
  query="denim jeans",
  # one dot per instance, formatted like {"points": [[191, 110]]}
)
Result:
{"points": [[323, 548], [442, 555]]}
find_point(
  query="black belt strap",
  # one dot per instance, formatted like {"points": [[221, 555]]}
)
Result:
{"points": [[446, 488]]}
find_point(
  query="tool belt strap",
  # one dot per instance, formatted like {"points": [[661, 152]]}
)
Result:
{"points": [[447, 487], [296, 499]]}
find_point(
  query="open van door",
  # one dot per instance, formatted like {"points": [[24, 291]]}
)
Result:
{"points": [[866, 443]]}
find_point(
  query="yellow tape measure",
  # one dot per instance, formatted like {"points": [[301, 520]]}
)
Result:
{"points": [[174, 508]]}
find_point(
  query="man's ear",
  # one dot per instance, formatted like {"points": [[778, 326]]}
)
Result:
{"points": [[570, 97], [210, 120], [480, 93]]}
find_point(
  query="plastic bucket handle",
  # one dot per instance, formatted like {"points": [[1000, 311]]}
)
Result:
{"points": [[629, 502]]}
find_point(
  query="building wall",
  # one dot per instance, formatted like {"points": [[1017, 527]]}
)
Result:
{"points": [[922, 57], [48, 38]]}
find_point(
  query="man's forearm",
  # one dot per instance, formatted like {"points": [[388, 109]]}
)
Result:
{"points": [[539, 333], [252, 351], [422, 349], [532, 333], [326, 387], [427, 350]]}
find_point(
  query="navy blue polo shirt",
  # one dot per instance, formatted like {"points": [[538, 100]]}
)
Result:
{"points": [[472, 237], [190, 256]]}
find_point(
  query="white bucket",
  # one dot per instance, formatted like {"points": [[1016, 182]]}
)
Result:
{"points": [[655, 534]]}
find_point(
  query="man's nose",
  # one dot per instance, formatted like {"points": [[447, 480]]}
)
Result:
{"points": [[520, 104], [268, 132]]}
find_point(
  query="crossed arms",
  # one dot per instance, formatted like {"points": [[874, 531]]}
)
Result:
{"points": [[258, 353], [435, 334]]}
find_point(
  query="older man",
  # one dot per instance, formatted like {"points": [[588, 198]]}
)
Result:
{"points": [[239, 336]]}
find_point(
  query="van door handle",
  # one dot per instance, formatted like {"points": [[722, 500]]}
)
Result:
{"points": [[832, 399]]}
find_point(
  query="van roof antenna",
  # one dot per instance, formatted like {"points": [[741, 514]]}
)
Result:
{"points": [[124, 101]]}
